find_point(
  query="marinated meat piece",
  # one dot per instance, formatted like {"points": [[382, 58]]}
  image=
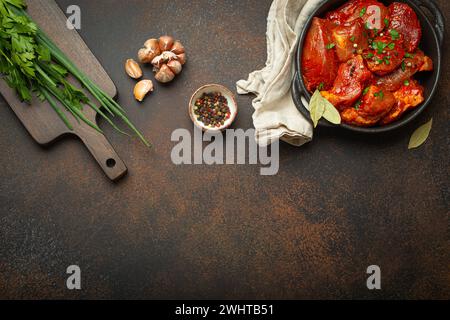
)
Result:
{"points": [[411, 64], [409, 96], [346, 13], [349, 40], [319, 61], [376, 102], [427, 64], [404, 21], [384, 55], [349, 83], [373, 106], [351, 116], [359, 10]]}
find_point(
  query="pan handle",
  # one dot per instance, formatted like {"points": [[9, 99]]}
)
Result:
{"points": [[439, 24], [298, 96]]}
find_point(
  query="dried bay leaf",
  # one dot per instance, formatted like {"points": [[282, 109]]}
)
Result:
{"points": [[316, 107], [320, 107], [331, 113], [420, 135]]}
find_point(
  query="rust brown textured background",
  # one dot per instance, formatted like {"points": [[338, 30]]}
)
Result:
{"points": [[338, 204]]}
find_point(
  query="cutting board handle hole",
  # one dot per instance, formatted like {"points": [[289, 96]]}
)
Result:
{"points": [[110, 163]]}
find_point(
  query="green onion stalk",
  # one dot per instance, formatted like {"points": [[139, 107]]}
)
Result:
{"points": [[31, 62]]}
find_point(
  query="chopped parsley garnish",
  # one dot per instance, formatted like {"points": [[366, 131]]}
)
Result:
{"points": [[352, 39], [363, 12], [369, 55], [379, 94], [409, 55], [403, 66], [358, 104], [406, 83], [321, 86], [391, 46], [379, 46], [386, 22], [366, 90], [394, 34], [330, 46]]}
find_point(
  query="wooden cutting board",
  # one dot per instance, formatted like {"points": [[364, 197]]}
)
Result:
{"points": [[40, 119]]}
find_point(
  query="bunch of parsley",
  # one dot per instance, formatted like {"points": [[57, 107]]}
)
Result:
{"points": [[31, 63]]}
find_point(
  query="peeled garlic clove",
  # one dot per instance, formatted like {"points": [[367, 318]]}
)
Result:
{"points": [[132, 69], [164, 74], [149, 51], [165, 43], [142, 88], [181, 58], [177, 48], [175, 66]]}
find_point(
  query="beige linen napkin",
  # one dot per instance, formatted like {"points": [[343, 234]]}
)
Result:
{"points": [[276, 116]]}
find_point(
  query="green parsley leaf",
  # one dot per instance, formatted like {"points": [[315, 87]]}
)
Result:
{"points": [[362, 12], [379, 46], [366, 90], [43, 53], [379, 94], [394, 34], [330, 46]]}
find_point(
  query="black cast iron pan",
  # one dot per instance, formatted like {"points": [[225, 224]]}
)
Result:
{"points": [[431, 44]]}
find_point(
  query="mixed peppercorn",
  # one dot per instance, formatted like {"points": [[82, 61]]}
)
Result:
{"points": [[212, 109]]}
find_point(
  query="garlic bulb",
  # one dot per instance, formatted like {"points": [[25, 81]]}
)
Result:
{"points": [[164, 74], [166, 55]]}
